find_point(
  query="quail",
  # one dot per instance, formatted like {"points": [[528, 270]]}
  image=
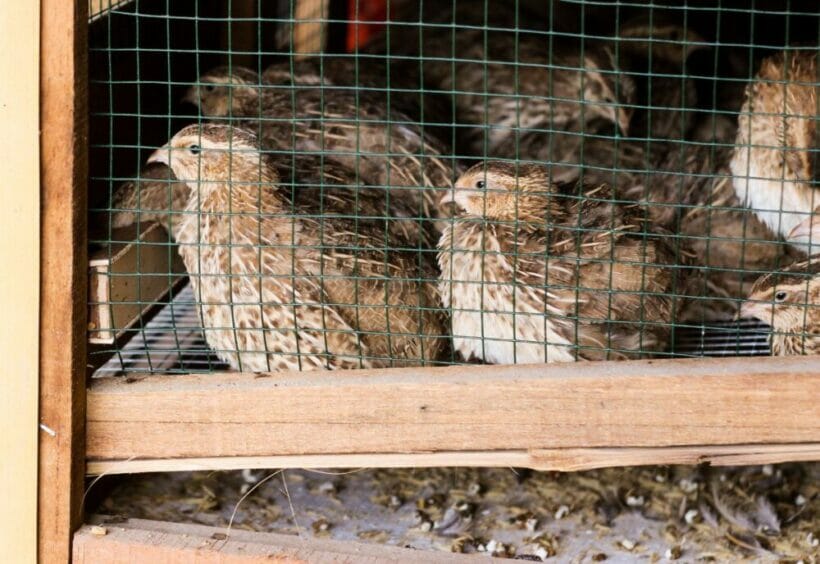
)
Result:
{"points": [[504, 83], [773, 164], [357, 129], [789, 301], [533, 273], [281, 284]]}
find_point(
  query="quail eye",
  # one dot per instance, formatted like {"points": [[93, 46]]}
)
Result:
{"points": [[195, 149], [209, 87], [780, 296], [480, 184]]}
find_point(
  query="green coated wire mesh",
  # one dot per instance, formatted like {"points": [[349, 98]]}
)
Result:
{"points": [[341, 184]]}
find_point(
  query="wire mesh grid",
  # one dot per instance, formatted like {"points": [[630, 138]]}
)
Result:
{"points": [[369, 184]]}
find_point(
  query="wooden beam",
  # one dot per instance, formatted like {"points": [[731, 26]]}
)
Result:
{"points": [[19, 295], [138, 540], [63, 267], [658, 403], [309, 32], [555, 460]]}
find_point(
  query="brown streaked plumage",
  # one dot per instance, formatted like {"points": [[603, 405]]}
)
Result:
{"points": [[773, 164], [357, 129], [532, 273], [156, 195], [351, 73], [513, 83], [282, 286], [789, 301]]}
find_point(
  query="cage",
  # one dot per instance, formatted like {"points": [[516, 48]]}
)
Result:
{"points": [[189, 321]]}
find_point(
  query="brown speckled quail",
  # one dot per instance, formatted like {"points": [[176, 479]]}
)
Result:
{"points": [[789, 301], [534, 274], [773, 164], [284, 285]]}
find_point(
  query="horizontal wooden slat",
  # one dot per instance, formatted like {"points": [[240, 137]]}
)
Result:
{"points": [[138, 540], [466, 408], [559, 460]]}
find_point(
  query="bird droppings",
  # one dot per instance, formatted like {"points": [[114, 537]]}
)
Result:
{"points": [[512, 514], [688, 486], [562, 512], [634, 501], [673, 553], [691, 516], [628, 544]]}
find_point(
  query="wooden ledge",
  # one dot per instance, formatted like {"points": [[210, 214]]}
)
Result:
{"points": [[462, 409], [139, 540], [556, 460]]}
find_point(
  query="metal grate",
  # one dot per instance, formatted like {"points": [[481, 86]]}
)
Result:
{"points": [[376, 184], [172, 342]]}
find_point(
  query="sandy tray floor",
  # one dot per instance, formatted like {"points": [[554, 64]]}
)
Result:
{"points": [[618, 515]]}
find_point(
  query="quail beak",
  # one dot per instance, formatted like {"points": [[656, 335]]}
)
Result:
{"points": [[624, 118], [807, 230], [160, 156], [191, 96], [755, 310], [448, 202]]}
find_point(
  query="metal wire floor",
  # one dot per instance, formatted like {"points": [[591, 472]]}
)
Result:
{"points": [[172, 342]]}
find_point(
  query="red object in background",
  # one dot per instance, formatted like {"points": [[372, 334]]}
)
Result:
{"points": [[358, 34]]}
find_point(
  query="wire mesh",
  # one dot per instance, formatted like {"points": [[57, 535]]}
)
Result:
{"points": [[354, 184]]}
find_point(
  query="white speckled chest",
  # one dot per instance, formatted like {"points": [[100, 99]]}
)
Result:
{"points": [[495, 317]]}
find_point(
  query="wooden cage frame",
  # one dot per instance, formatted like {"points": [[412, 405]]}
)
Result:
{"points": [[568, 417]]}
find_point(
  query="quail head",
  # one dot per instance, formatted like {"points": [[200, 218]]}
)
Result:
{"points": [[534, 272], [283, 286], [773, 162], [789, 301]]}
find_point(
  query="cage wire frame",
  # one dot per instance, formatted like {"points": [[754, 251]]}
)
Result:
{"points": [[294, 23], [749, 338], [559, 417]]}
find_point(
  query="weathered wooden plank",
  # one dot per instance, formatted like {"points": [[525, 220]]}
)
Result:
{"points": [[63, 267], [127, 280], [468, 408], [557, 460], [19, 293], [138, 540]]}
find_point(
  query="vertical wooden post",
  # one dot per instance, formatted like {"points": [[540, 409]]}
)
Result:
{"points": [[19, 253], [309, 36], [63, 266]]}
